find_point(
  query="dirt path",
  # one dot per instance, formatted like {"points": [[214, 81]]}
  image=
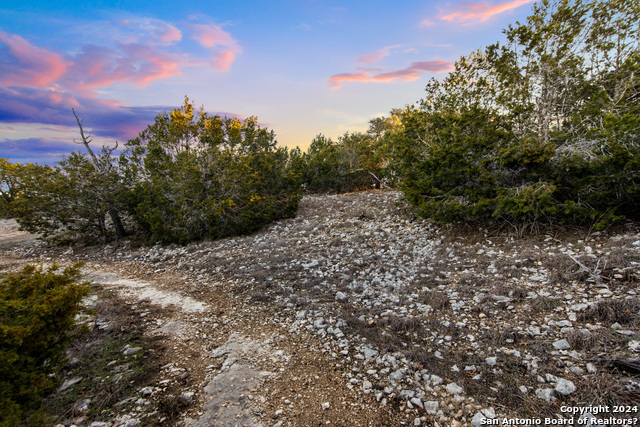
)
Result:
{"points": [[354, 313], [224, 363]]}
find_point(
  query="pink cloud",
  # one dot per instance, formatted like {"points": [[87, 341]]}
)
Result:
{"points": [[27, 65], [377, 55], [169, 34], [411, 73], [97, 66], [480, 12], [150, 64], [211, 35], [222, 60]]}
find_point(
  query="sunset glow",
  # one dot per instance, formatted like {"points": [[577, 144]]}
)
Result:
{"points": [[318, 67]]}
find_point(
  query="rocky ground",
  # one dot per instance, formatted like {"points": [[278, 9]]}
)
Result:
{"points": [[354, 313]]}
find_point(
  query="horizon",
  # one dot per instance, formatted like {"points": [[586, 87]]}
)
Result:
{"points": [[302, 68]]}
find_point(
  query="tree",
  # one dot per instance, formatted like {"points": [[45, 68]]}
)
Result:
{"points": [[9, 186], [109, 185], [193, 176], [544, 126], [37, 320], [78, 199], [350, 164]]}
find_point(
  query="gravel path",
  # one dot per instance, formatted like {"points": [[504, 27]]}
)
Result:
{"points": [[358, 313]]}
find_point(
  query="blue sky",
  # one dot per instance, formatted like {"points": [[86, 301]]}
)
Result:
{"points": [[302, 67]]}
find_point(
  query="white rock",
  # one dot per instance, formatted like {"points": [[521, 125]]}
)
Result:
{"points": [[340, 296], [369, 352], [431, 405], [489, 412], [546, 394], [435, 380], [82, 405], [491, 361], [417, 402], [130, 350], [565, 386], [561, 345], [454, 388], [325, 406], [634, 346], [68, 383]]}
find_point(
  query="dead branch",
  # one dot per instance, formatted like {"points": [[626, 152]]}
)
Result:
{"points": [[595, 274]]}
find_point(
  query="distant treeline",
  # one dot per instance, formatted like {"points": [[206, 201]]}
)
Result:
{"points": [[541, 130]]}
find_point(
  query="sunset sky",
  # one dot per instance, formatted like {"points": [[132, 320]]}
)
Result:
{"points": [[302, 67]]}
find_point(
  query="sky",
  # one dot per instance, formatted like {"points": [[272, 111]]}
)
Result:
{"points": [[303, 68]]}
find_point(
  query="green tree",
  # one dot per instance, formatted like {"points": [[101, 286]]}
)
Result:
{"points": [[558, 132], [350, 164], [193, 176]]}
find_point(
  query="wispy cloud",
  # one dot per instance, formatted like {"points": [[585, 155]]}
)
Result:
{"points": [[370, 58], [411, 73], [27, 65], [40, 86], [99, 66], [480, 12], [224, 47], [137, 29]]}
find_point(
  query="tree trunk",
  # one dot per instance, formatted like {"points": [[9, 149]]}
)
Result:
{"points": [[117, 223]]}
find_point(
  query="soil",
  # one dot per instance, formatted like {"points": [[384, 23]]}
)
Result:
{"points": [[354, 313], [242, 364]]}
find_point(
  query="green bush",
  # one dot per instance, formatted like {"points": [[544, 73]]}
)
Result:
{"points": [[187, 177], [37, 311], [543, 129], [191, 176], [353, 163]]}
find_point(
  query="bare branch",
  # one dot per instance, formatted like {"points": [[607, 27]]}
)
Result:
{"points": [[595, 273], [85, 141]]}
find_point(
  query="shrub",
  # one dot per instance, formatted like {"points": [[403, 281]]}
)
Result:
{"points": [[37, 311], [542, 129], [191, 176]]}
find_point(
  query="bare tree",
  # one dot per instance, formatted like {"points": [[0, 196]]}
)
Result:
{"points": [[103, 166]]}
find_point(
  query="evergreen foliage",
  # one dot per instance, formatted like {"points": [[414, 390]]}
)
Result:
{"points": [[191, 176], [354, 163], [542, 129], [187, 177], [37, 313]]}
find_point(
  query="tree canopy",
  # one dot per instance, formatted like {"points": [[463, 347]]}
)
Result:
{"points": [[544, 127], [188, 176]]}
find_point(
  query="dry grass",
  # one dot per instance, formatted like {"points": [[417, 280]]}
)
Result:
{"points": [[623, 311], [437, 300], [541, 304], [605, 389]]}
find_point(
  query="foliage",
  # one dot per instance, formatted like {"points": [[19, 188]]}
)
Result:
{"points": [[37, 312], [66, 203], [188, 176], [191, 176], [9, 185], [544, 127], [353, 163]]}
